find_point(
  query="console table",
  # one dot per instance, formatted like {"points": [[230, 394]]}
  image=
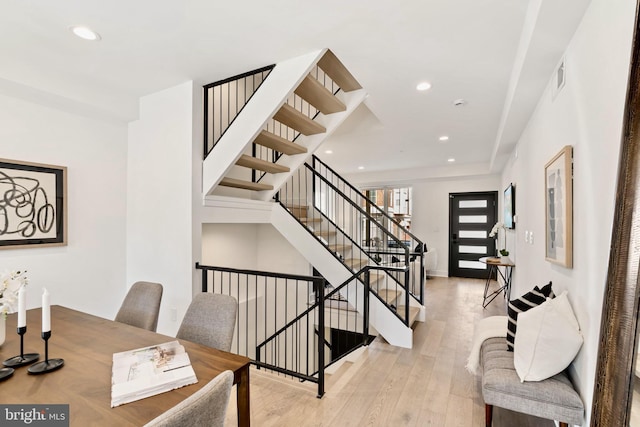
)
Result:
{"points": [[493, 263]]}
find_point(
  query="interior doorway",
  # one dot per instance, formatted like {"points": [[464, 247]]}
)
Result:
{"points": [[471, 218]]}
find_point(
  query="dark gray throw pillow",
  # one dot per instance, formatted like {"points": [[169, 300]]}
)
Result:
{"points": [[531, 299]]}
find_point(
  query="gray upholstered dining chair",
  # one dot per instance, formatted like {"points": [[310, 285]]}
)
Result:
{"points": [[141, 306], [210, 320], [205, 407]]}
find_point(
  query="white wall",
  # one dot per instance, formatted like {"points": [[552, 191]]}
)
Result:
{"points": [[230, 245], [160, 199], [586, 114], [89, 273], [275, 253], [251, 246]]}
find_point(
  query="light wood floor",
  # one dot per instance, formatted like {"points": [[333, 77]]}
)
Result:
{"points": [[427, 385]]}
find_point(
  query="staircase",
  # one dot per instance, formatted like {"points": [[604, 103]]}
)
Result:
{"points": [[298, 104], [330, 239], [259, 153]]}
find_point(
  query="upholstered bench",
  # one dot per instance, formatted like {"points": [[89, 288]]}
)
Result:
{"points": [[553, 398]]}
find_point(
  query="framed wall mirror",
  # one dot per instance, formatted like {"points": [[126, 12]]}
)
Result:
{"points": [[509, 203], [615, 376]]}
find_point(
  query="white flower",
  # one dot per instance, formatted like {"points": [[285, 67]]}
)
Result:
{"points": [[496, 228], [10, 284]]}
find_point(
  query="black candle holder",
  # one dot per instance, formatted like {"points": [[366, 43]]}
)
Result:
{"points": [[47, 365], [5, 373], [22, 359]]}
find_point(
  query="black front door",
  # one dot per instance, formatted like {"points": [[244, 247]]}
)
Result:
{"points": [[471, 218]]}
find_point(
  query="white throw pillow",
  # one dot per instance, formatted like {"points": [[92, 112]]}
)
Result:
{"points": [[547, 340]]}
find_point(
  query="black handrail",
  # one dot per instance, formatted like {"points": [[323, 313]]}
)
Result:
{"points": [[420, 244], [274, 296], [356, 206], [329, 185], [206, 268], [348, 184], [407, 251], [320, 303]]}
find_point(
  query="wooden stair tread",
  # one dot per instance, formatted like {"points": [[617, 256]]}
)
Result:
{"points": [[289, 116], [325, 233], [299, 211], [309, 220], [332, 66], [263, 165], [374, 276], [356, 263], [413, 313], [312, 91], [268, 379], [335, 247], [338, 382], [279, 144], [333, 376], [246, 185], [389, 295]]}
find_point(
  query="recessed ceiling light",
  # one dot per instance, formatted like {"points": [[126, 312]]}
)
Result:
{"points": [[85, 33], [328, 152], [444, 138], [423, 86], [360, 167], [451, 160]]}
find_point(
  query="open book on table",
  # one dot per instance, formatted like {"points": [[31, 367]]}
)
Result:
{"points": [[148, 371]]}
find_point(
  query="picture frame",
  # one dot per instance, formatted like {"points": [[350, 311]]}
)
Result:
{"points": [[33, 205], [509, 203], [558, 178]]}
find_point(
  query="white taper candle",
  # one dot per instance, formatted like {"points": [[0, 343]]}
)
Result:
{"points": [[22, 307], [46, 312]]}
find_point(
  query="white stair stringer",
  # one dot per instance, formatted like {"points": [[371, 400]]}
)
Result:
{"points": [[234, 210], [380, 317]]}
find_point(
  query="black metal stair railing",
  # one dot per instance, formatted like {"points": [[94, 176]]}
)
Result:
{"points": [[416, 245], [331, 317], [223, 101], [268, 301], [337, 222], [283, 319]]}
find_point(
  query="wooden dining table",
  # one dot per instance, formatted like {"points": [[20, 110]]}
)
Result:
{"points": [[87, 344]]}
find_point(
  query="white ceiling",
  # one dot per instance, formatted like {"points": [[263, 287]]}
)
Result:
{"points": [[496, 54]]}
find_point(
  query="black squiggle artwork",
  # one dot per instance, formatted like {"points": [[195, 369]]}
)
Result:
{"points": [[24, 207]]}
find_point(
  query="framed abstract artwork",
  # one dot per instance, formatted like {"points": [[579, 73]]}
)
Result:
{"points": [[33, 205], [558, 178]]}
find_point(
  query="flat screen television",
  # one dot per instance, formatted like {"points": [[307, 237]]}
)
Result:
{"points": [[509, 206]]}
